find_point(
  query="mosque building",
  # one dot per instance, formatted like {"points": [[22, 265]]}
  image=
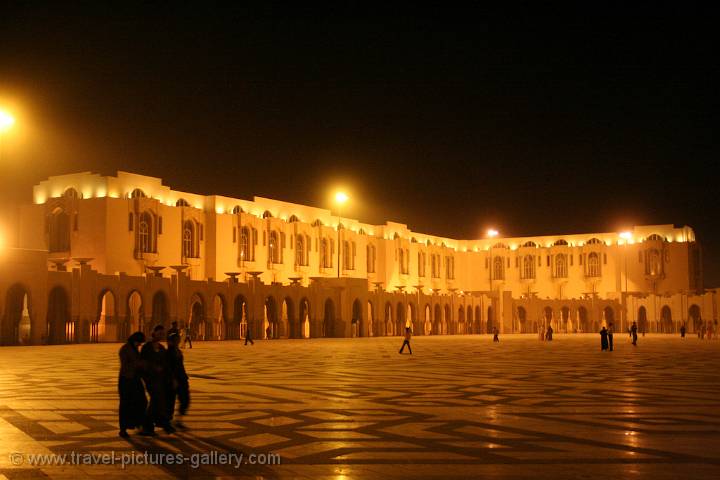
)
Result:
{"points": [[94, 258]]}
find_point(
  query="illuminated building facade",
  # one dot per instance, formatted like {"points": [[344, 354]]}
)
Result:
{"points": [[96, 257]]}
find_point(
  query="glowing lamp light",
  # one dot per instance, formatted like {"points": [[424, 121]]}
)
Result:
{"points": [[492, 233], [341, 197], [6, 121], [626, 235]]}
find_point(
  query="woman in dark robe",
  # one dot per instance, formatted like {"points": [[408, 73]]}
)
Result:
{"points": [[603, 339], [130, 386]]}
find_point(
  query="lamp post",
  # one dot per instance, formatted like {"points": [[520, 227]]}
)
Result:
{"points": [[627, 236], [340, 198]]}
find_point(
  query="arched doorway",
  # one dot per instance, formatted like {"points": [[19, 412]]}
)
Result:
{"points": [[304, 318], [60, 327], [134, 319], [471, 327], [329, 319], [357, 320], [608, 316], [461, 321], [389, 327], [695, 317], [239, 327], [666, 323], [400, 319], [547, 317], [104, 328], [271, 319], [427, 330], [583, 320], [198, 326], [565, 319], [160, 313], [642, 322], [447, 320], [287, 317], [16, 323], [218, 318], [370, 320], [478, 319], [437, 321], [522, 320]]}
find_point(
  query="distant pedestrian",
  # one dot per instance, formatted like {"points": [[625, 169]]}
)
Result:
{"points": [[248, 337], [188, 337], [495, 334], [268, 332], [406, 342], [133, 402], [611, 331], [549, 333], [179, 377], [603, 339], [633, 333], [682, 331]]}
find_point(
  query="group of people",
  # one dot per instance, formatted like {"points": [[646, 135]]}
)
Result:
{"points": [[545, 335], [606, 337], [159, 370]]}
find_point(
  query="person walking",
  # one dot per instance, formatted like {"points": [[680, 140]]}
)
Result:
{"points": [[157, 382], [188, 336], [130, 386], [603, 339], [248, 337], [682, 331], [611, 331], [180, 386], [408, 336], [495, 334], [549, 333], [633, 333]]}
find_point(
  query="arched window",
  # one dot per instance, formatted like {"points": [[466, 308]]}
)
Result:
{"points": [[421, 264], [370, 258], [559, 242], [530, 244], [237, 209], [317, 223], [561, 266], [274, 251], [324, 253], [267, 214], [145, 242], [293, 219], [137, 193], [245, 245], [182, 203], [595, 241], [528, 270], [299, 250], [593, 265], [347, 255], [656, 237], [653, 262], [189, 240], [499, 245], [498, 268], [59, 231], [401, 260]]}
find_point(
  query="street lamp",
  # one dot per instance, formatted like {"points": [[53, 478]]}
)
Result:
{"points": [[627, 236], [340, 198], [6, 123]]}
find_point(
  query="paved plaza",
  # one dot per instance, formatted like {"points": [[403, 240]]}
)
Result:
{"points": [[459, 407]]}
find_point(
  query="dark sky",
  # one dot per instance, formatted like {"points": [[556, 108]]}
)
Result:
{"points": [[535, 120]]}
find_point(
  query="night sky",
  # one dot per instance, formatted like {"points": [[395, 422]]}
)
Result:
{"points": [[537, 120]]}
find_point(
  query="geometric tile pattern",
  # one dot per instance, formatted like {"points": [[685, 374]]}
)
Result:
{"points": [[460, 406]]}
